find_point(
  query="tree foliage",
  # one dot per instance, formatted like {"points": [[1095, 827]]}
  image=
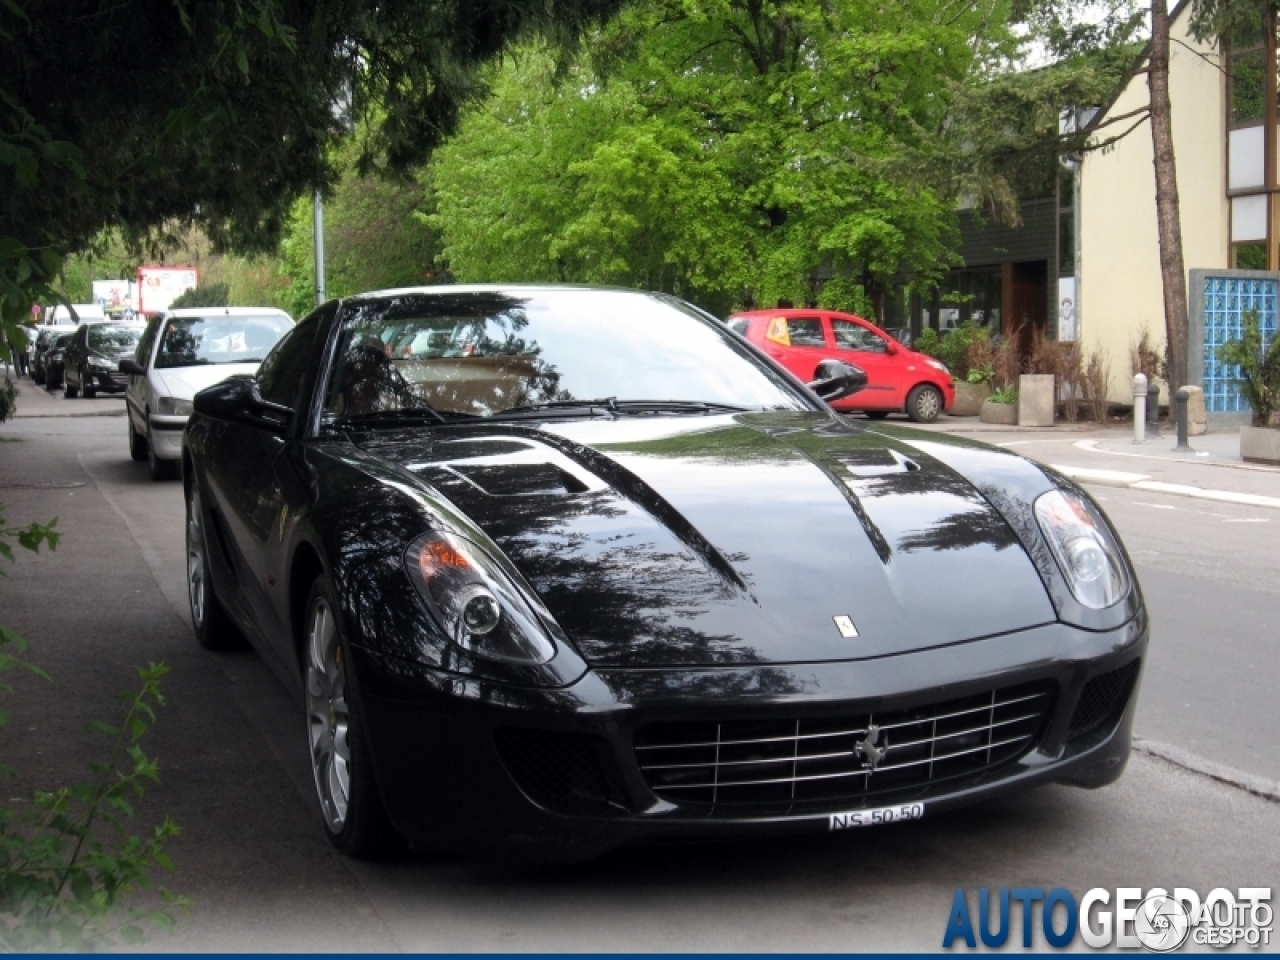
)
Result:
{"points": [[204, 295], [375, 237], [740, 151], [139, 113]]}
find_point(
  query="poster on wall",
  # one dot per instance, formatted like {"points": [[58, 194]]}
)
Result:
{"points": [[114, 293], [160, 286], [1067, 313]]}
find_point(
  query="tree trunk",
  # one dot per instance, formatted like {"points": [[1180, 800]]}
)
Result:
{"points": [[1167, 216]]}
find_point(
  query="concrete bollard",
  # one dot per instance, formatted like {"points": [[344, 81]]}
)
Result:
{"points": [[1139, 408], [1153, 408], [1183, 396]]}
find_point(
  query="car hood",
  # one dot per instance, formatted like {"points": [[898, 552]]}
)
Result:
{"points": [[184, 383], [735, 539]]}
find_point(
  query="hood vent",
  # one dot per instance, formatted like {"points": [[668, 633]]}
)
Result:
{"points": [[519, 479], [880, 462]]}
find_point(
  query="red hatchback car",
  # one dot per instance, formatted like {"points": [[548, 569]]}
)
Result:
{"points": [[900, 379]]}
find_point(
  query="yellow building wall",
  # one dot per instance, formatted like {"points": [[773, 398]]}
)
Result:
{"points": [[1120, 291]]}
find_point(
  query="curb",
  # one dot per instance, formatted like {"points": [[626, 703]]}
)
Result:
{"points": [[52, 416], [1258, 786]]}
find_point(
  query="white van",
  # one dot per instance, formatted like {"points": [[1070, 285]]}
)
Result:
{"points": [[60, 316]]}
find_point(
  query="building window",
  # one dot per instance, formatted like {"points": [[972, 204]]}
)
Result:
{"points": [[1252, 156]]}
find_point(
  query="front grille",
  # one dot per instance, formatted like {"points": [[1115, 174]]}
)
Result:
{"points": [[809, 761], [553, 766], [1102, 701]]}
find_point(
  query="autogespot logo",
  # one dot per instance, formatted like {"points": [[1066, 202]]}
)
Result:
{"points": [[1129, 917]]}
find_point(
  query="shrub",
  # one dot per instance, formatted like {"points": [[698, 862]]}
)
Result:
{"points": [[1004, 395], [67, 865], [1258, 379], [1096, 379]]}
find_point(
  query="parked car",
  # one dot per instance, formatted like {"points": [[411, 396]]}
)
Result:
{"points": [[180, 353], [54, 370], [901, 379], [93, 354], [613, 575], [45, 337]]}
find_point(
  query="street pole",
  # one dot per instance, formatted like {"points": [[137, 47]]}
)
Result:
{"points": [[318, 210]]}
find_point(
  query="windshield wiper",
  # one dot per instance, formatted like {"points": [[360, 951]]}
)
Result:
{"points": [[406, 415], [616, 406]]}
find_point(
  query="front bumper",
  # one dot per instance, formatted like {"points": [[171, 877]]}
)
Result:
{"points": [[106, 382], [449, 780], [166, 436]]}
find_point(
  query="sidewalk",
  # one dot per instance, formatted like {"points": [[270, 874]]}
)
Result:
{"points": [[35, 401], [1212, 470]]}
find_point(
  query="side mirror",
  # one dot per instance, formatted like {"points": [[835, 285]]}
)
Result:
{"points": [[890, 348], [837, 380], [237, 399], [133, 368]]}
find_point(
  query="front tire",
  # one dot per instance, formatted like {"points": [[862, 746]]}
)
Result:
{"points": [[341, 765], [139, 448], [213, 628], [924, 403], [86, 386]]}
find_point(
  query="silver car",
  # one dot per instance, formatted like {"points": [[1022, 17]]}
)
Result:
{"points": [[180, 353]]}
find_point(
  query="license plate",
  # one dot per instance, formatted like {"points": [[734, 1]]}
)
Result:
{"points": [[879, 815]]}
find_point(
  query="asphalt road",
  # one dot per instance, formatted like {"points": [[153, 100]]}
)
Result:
{"points": [[254, 858]]}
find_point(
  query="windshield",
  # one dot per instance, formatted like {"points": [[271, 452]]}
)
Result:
{"points": [[108, 338], [483, 354], [196, 341]]}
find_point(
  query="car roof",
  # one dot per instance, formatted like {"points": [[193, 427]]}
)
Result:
{"points": [[226, 312], [467, 288], [796, 312]]}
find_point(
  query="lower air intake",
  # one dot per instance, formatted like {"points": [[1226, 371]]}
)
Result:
{"points": [[1102, 701]]}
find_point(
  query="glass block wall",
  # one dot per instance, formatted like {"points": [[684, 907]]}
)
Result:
{"points": [[1226, 300]]}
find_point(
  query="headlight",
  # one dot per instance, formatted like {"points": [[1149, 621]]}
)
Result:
{"points": [[1083, 548], [173, 407], [939, 365], [474, 601]]}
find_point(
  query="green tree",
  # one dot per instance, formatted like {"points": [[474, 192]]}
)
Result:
{"points": [[204, 295], [375, 237], [728, 150]]}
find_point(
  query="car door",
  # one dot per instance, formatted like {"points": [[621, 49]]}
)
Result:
{"points": [[135, 394], [798, 343], [249, 470], [862, 345]]}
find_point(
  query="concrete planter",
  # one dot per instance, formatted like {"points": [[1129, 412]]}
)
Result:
{"points": [[1003, 413], [1035, 400], [1260, 444], [969, 398]]}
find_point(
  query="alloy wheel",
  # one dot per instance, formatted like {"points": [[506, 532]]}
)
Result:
{"points": [[196, 571], [328, 716]]}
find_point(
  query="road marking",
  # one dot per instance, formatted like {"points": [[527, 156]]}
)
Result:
{"points": [[1140, 481], [1112, 477], [1154, 506], [1246, 520], [1091, 446]]}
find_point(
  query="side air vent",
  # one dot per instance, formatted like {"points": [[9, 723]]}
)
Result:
{"points": [[519, 479], [1102, 701]]}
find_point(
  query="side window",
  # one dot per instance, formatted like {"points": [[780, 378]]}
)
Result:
{"points": [[854, 336], [739, 325], [806, 332], [281, 374], [142, 356]]}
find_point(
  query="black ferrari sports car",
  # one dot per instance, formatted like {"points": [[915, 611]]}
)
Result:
{"points": [[557, 569]]}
